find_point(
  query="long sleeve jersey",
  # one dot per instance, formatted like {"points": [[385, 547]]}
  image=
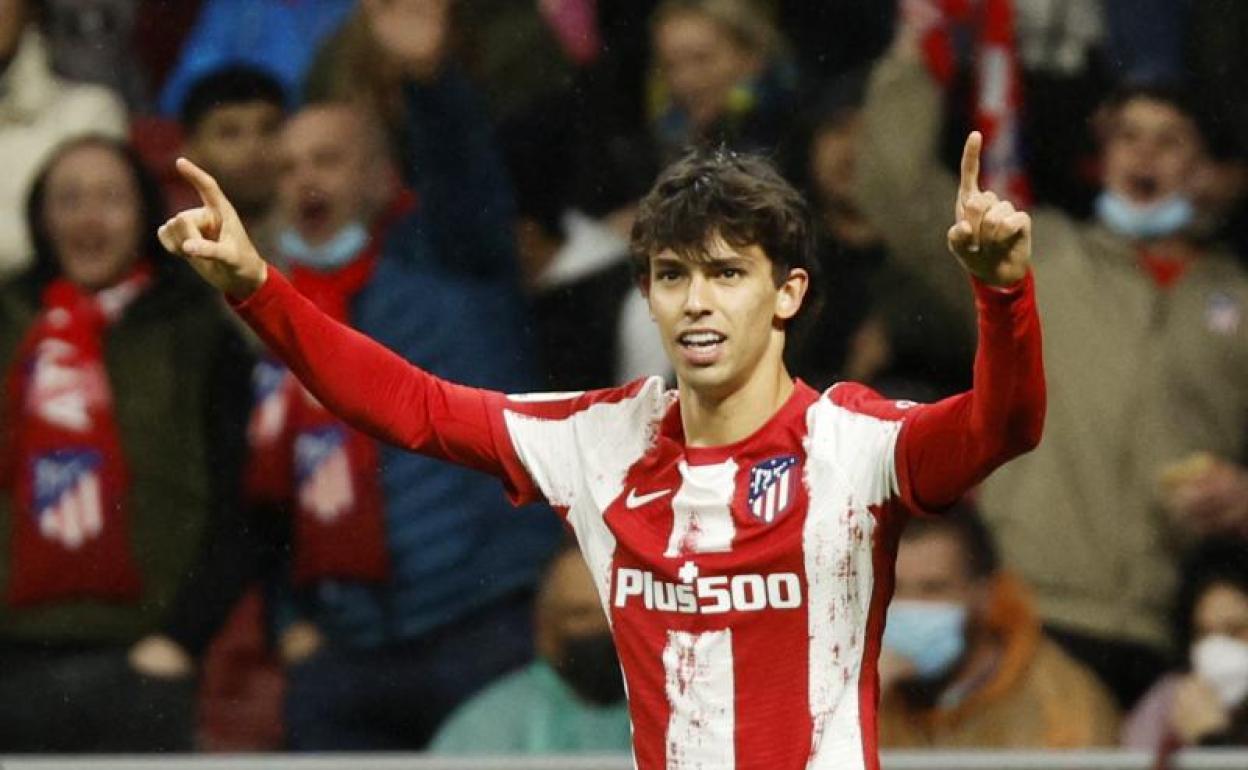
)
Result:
{"points": [[746, 584]]}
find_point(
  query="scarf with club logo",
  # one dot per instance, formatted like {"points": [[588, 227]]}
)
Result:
{"points": [[302, 454], [61, 458], [998, 96]]}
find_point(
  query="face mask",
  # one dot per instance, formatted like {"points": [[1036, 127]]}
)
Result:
{"points": [[335, 252], [1167, 217], [1222, 661], [931, 635], [590, 667]]}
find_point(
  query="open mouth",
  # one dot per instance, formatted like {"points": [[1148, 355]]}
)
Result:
{"points": [[1143, 188], [701, 347], [87, 248], [314, 214]]}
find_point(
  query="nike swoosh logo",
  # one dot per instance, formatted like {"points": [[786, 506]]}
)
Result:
{"points": [[635, 500]]}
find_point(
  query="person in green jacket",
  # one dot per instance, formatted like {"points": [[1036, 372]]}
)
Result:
{"points": [[570, 699], [123, 404]]}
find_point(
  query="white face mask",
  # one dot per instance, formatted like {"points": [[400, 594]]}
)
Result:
{"points": [[931, 634], [334, 253], [1169, 216], [1222, 661]]}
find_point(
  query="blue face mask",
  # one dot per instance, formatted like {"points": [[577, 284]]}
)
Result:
{"points": [[1167, 217], [931, 635], [336, 252]]}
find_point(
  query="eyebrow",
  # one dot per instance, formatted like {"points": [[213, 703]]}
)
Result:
{"points": [[733, 261]]}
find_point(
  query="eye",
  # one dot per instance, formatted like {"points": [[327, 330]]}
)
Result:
{"points": [[731, 273], [667, 274]]}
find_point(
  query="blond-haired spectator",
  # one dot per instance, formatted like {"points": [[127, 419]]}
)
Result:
{"points": [[723, 76]]}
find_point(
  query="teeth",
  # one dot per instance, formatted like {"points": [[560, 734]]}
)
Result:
{"points": [[701, 338]]}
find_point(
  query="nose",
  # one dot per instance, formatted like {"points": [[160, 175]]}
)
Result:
{"points": [[696, 296]]}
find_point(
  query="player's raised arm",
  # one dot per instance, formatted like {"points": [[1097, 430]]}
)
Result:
{"points": [[948, 447], [989, 236], [359, 380], [212, 238]]}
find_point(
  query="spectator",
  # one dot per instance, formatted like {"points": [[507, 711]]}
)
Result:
{"points": [[1146, 351], [38, 111], [231, 120], [278, 36], [569, 700], [724, 77], [125, 399], [397, 624], [965, 663], [1203, 702]]}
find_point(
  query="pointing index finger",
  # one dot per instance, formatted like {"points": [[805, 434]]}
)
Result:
{"points": [[969, 183], [207, 188]]}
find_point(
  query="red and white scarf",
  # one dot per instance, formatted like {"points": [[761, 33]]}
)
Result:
{"points": [[303, 455], [998, 81], [62, 459]]}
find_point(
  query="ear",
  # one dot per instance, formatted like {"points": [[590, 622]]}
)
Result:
{"points": [[789, 295]]}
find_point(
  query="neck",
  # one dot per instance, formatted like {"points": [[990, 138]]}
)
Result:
{"points": [[1173, 247], [713, 419]]}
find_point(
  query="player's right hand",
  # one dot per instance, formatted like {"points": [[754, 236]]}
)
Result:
{"points": [[989, 236], [212, 239]]}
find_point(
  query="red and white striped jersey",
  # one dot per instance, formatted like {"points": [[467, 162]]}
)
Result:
{"points": [[746, 584]]}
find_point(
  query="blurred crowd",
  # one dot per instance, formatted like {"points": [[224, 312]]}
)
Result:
{"points": [[195, 555]]}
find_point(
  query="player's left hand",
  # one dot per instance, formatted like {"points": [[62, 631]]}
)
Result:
{"points": [[989, 236], [212, 239]]}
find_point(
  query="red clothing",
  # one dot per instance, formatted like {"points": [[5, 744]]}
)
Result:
{"points": [[746, 584]]}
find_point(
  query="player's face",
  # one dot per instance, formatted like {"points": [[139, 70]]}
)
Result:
{"points": [[1222, 609], [92, 213], [933, 567], [722, 319], [324, 183], [700, 64], [1151, 152], [238, 144]]}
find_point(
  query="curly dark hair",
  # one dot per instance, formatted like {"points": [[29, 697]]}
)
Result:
{"points": [[739, 197]]}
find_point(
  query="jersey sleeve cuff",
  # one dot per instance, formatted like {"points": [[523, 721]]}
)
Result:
{"points": [[274, 286]]}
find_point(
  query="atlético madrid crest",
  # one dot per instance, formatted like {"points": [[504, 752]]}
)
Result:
{"points": [[773, 487]]}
